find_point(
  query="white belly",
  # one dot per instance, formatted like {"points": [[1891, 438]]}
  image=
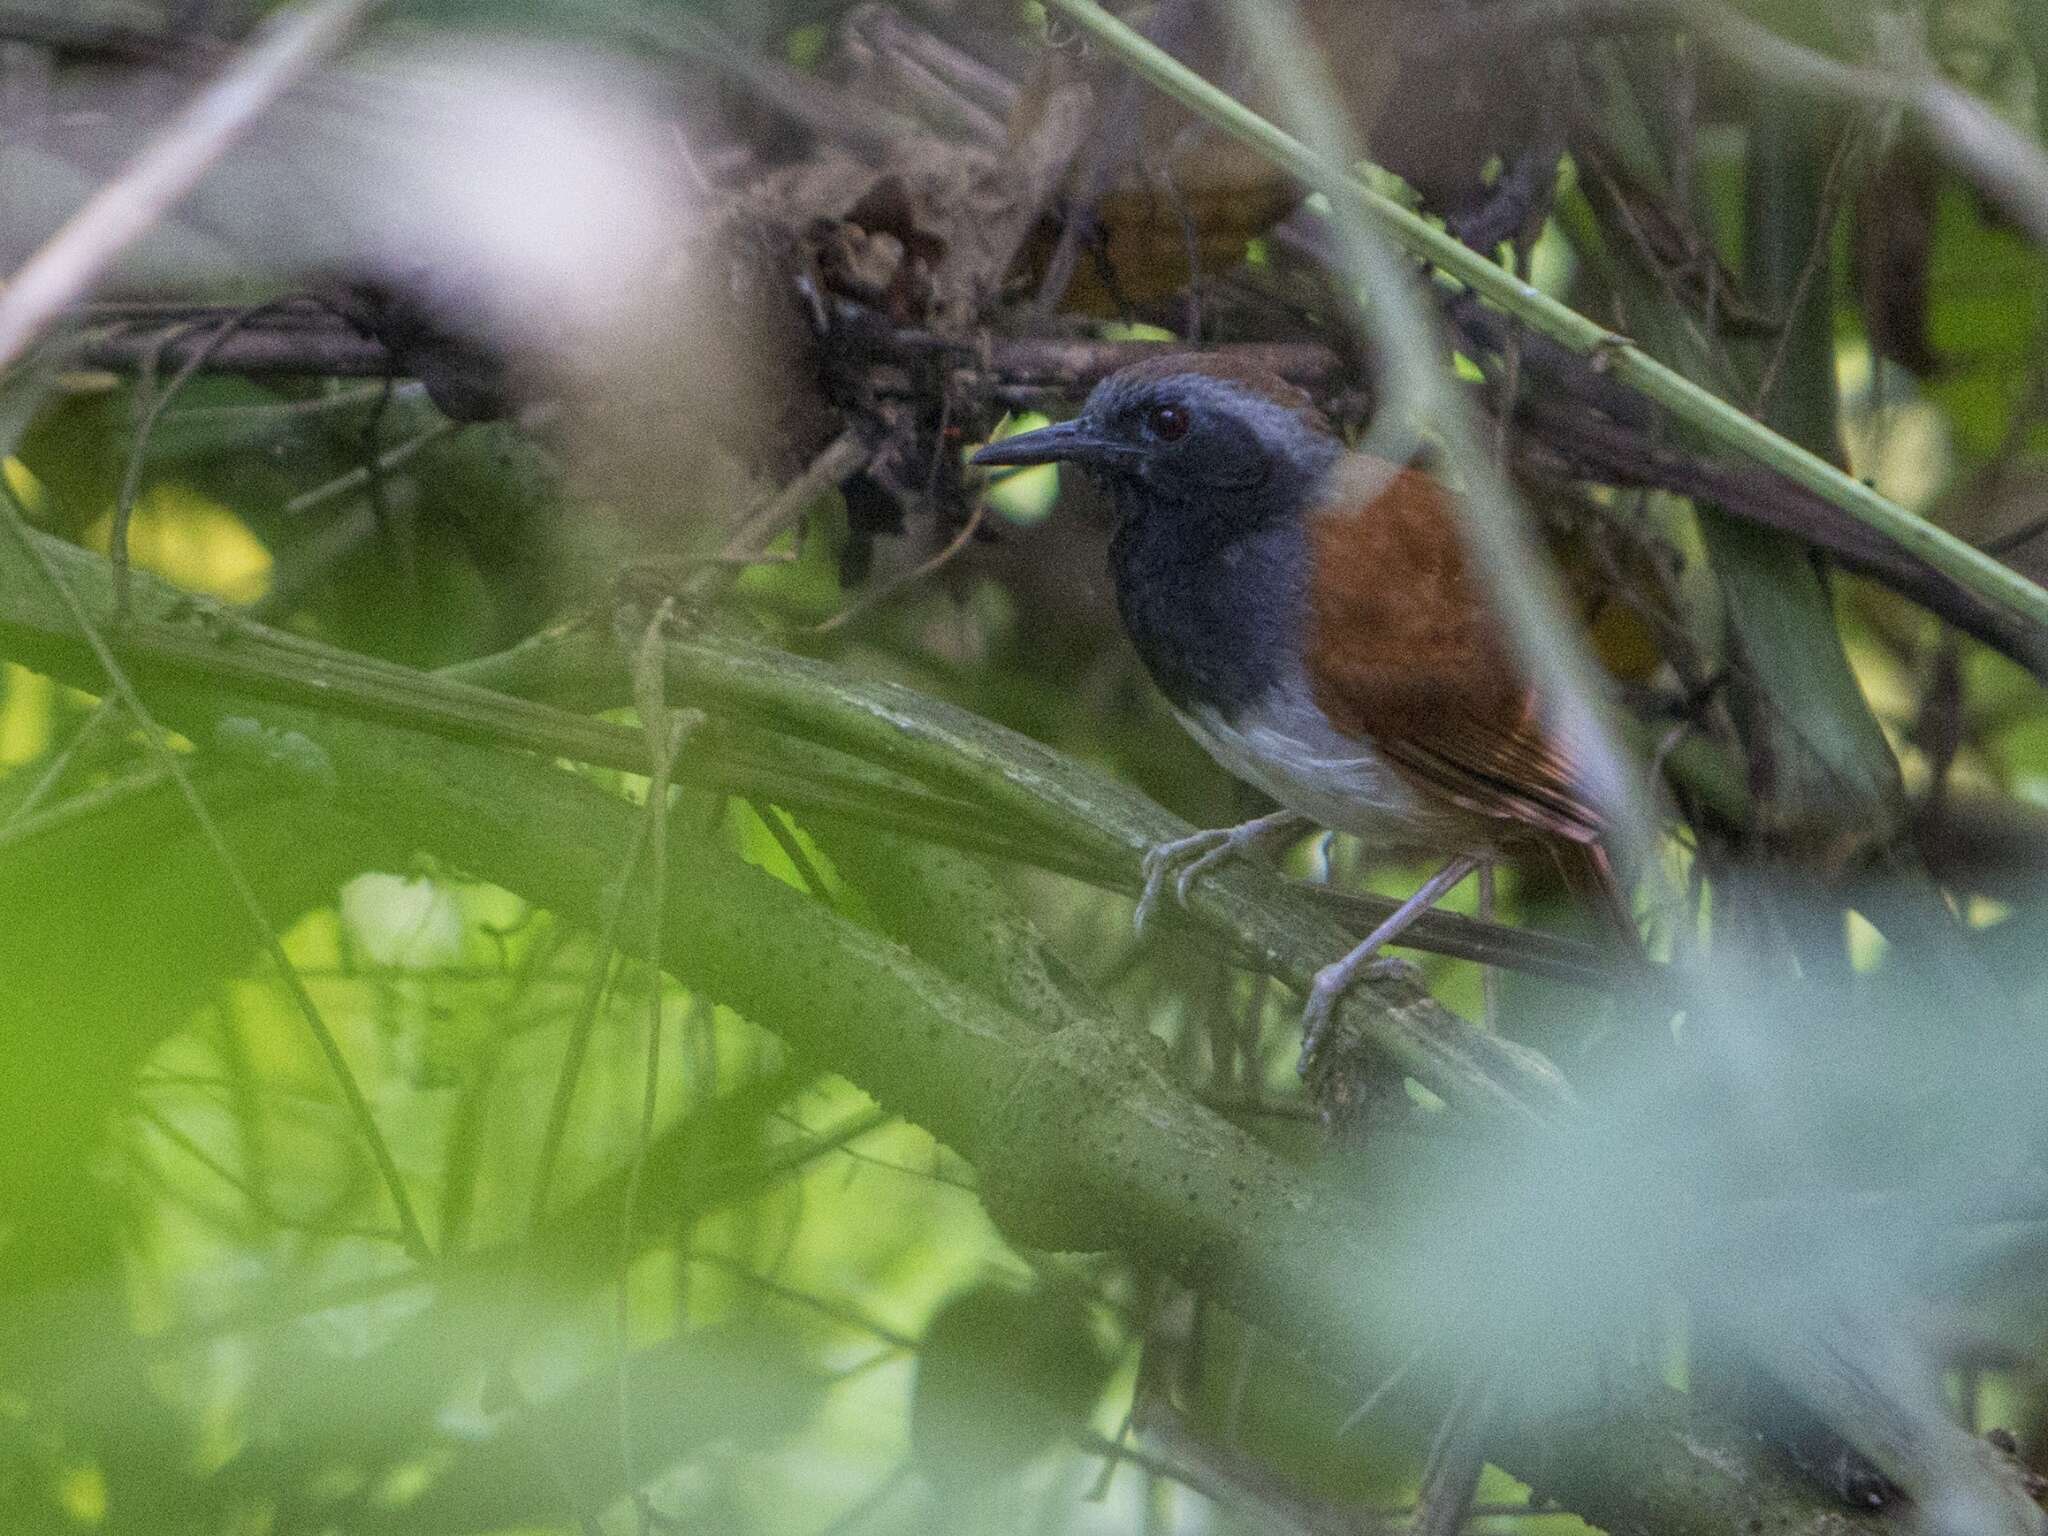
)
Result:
{"points": [[1284, 746]]}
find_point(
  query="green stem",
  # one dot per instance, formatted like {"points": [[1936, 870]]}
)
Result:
{"points": [[1988, 578], [1833, 782]]}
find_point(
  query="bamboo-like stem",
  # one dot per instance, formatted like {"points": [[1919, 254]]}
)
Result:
{"points": [[1831, 766], [1053, 796], [268, 664], [1980, 573]]}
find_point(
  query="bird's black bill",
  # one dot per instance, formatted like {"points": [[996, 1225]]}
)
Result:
{"points": [[1063, 442]]}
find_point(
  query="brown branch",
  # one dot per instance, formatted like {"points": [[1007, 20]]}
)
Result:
{"points": [[1050, 367], [71, 261], [1583, 446], [286, 349], [314, 344]]}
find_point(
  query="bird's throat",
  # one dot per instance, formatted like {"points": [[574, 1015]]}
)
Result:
{"points": [[1215, 612]]}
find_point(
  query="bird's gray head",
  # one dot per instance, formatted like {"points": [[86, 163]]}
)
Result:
{"points": [[1191, 434]]}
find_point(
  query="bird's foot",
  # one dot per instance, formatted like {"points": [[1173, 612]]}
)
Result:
{"points": [[1186, 857], [1329, 987]]}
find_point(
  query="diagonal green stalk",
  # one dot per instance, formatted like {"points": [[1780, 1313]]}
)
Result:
{"points": [[1980, 573], [1830, 769], [1401, 325]]}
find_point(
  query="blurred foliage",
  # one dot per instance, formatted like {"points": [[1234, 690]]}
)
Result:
{"points": [[754, 1298]]}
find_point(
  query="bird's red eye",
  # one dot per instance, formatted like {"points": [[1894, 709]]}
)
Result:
{"points": [[1168, 423]]}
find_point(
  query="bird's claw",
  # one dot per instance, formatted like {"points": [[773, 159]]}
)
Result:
{"points": [[1162, 858], [1187, 857], [1316, 1015], [1328, 989]]}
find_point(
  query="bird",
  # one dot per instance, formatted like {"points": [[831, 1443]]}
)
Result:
{"points": [[1315, 620]]}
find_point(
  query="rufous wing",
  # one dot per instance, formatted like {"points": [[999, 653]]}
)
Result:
{"points": [[1404, 651]]}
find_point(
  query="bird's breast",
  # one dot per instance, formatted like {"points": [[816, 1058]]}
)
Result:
{"points": [[1219, 609], [1283, 744]]}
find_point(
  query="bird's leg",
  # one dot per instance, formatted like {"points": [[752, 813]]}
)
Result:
{"points": [[1332, 980], [1186, 857]]}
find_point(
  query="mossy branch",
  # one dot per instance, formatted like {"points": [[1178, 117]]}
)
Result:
{"points": [[1079, 1138]]}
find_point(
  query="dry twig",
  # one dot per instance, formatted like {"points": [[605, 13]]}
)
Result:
{"points": [[123, 210]]}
